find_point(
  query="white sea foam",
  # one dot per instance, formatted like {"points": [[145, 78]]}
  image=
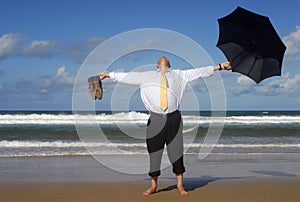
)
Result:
{"points": [[63, 144], [136, 118], [70, 119], [77, 144], [17, 148]]}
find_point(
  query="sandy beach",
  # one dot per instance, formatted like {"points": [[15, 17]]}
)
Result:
{"points": [[82, 178], [275, 189]]}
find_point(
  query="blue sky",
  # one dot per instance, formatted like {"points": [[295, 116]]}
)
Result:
{"points": [[43, 44]]}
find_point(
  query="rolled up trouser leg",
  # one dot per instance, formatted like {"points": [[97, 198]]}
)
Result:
{"points": [[155, 144]]}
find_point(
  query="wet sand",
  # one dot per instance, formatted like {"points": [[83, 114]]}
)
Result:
{"points": [[82, 178]]}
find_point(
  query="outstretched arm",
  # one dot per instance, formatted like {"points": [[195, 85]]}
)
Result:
{"points": [[135, 78], [192, 74]]}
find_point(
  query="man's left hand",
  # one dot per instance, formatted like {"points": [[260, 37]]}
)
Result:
{"points": [[226, 66]]}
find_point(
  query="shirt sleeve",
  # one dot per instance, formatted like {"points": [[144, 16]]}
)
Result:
{"points": [[192, 74], [134, 78]]}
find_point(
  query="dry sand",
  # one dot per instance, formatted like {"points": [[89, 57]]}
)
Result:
{"points": [[273, 189]]}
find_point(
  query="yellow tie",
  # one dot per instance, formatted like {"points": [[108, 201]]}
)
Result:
{"points": [[163, 91]]}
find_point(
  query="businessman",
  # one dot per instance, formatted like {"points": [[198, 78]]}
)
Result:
{"points": [[161, 92]]}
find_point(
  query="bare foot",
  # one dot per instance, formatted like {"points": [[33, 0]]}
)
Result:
{"points": [[149, 191], [181, 191]]}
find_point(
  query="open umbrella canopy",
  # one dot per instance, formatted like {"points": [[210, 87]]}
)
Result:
{"points": [[251, 43]]}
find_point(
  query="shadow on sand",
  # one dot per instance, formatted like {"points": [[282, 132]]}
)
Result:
{"points": [[191, 184]]}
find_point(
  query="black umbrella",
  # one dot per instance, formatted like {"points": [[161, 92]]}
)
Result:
{"points": [[251, 43]]}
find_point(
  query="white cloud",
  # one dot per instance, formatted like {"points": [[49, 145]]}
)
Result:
{"points": [[63, 77], [292, 41], [61, 82], [243, 85], [9, 44], [41, 48], [60, 71], [39, 91], [16, 44], [285, 84]]}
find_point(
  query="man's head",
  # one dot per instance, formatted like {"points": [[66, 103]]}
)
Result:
{"points": [[163, 62]]}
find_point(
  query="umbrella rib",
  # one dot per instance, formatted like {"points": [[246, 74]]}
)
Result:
{"points": [[252, 66], [250, 46]]}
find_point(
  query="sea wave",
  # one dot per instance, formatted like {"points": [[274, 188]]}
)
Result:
{"points": [[138, 118], [18, 148], [78, 144]]}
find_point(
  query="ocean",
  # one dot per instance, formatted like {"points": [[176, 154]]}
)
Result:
{"points": [[55, 133]]}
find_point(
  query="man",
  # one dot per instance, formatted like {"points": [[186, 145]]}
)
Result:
{"points": [[161, 93]]}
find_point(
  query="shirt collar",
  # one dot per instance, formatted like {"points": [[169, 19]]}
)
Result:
{"points": [[169, 70]]}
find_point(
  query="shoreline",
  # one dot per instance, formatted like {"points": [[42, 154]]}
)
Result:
{"points": [[120, 168], [83, 178]]}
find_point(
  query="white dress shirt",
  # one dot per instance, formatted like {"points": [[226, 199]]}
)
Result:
{"points": [[149, 82]]}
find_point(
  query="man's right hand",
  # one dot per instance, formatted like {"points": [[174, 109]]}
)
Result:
{"points": [[104, 75]]}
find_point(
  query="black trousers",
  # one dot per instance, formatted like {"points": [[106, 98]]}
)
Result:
{"points": [[165, 130]]}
